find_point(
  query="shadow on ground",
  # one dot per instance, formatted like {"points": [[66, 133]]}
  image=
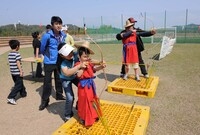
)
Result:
{"points": [[33, 79], [57, 108], [110, 77], [40, 89]]}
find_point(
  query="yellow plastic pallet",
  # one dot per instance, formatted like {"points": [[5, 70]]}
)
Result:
{"points": [[118, 119], [144, 88]]}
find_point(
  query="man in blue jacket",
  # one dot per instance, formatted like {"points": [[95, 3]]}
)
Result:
{"points": [[49, 45]]}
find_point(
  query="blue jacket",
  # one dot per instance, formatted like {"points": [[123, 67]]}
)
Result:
{"points": [[49, 46]]}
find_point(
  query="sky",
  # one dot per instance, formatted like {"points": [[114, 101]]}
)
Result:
{"points": [[96, 12]]}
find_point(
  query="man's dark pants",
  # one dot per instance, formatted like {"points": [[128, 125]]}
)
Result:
{"points": [[47, 87]]}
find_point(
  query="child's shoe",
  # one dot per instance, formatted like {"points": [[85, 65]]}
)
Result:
{"points": [[23, 94], [82, 122], [137, 78], [97, 119], [125, 77], [66, 119], [146, 76], [12, 101]]}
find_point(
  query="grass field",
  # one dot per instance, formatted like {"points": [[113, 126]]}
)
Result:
{"points": [[174, 110]]}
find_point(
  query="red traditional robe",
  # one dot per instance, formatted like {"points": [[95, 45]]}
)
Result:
{"points": [[130, 53], [86, 96]]}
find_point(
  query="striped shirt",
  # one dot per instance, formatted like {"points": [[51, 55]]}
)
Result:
{"points": [[13, 57]]}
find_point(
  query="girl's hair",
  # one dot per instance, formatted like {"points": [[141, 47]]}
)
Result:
{"points": [[59, 59], [35, 34], [81, 50], [48, 26]]}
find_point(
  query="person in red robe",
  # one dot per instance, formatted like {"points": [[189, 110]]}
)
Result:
{"points": [[130, 52], [87, 96]]}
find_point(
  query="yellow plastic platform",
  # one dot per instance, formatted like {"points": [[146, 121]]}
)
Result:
{"points": [[144, 88], [118, 119]]}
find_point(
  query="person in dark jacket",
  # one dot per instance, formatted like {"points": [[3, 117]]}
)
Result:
{"points": [[140, 46], [48, 27], [36, 47]]}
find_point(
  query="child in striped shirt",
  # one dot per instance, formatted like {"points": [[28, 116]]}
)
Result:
{"points": [[14, 59]]}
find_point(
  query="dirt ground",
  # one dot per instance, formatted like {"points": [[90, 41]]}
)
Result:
{"points": [[174, 110]]}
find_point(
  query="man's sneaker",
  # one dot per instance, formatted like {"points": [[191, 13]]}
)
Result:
{"points": [[12, 101], [146, 76]]}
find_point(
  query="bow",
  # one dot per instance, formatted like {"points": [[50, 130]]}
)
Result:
{"points": [[96, 103], [102, 59]]}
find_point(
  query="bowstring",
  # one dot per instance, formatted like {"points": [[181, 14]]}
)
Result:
{"points": [[102, 60]]}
